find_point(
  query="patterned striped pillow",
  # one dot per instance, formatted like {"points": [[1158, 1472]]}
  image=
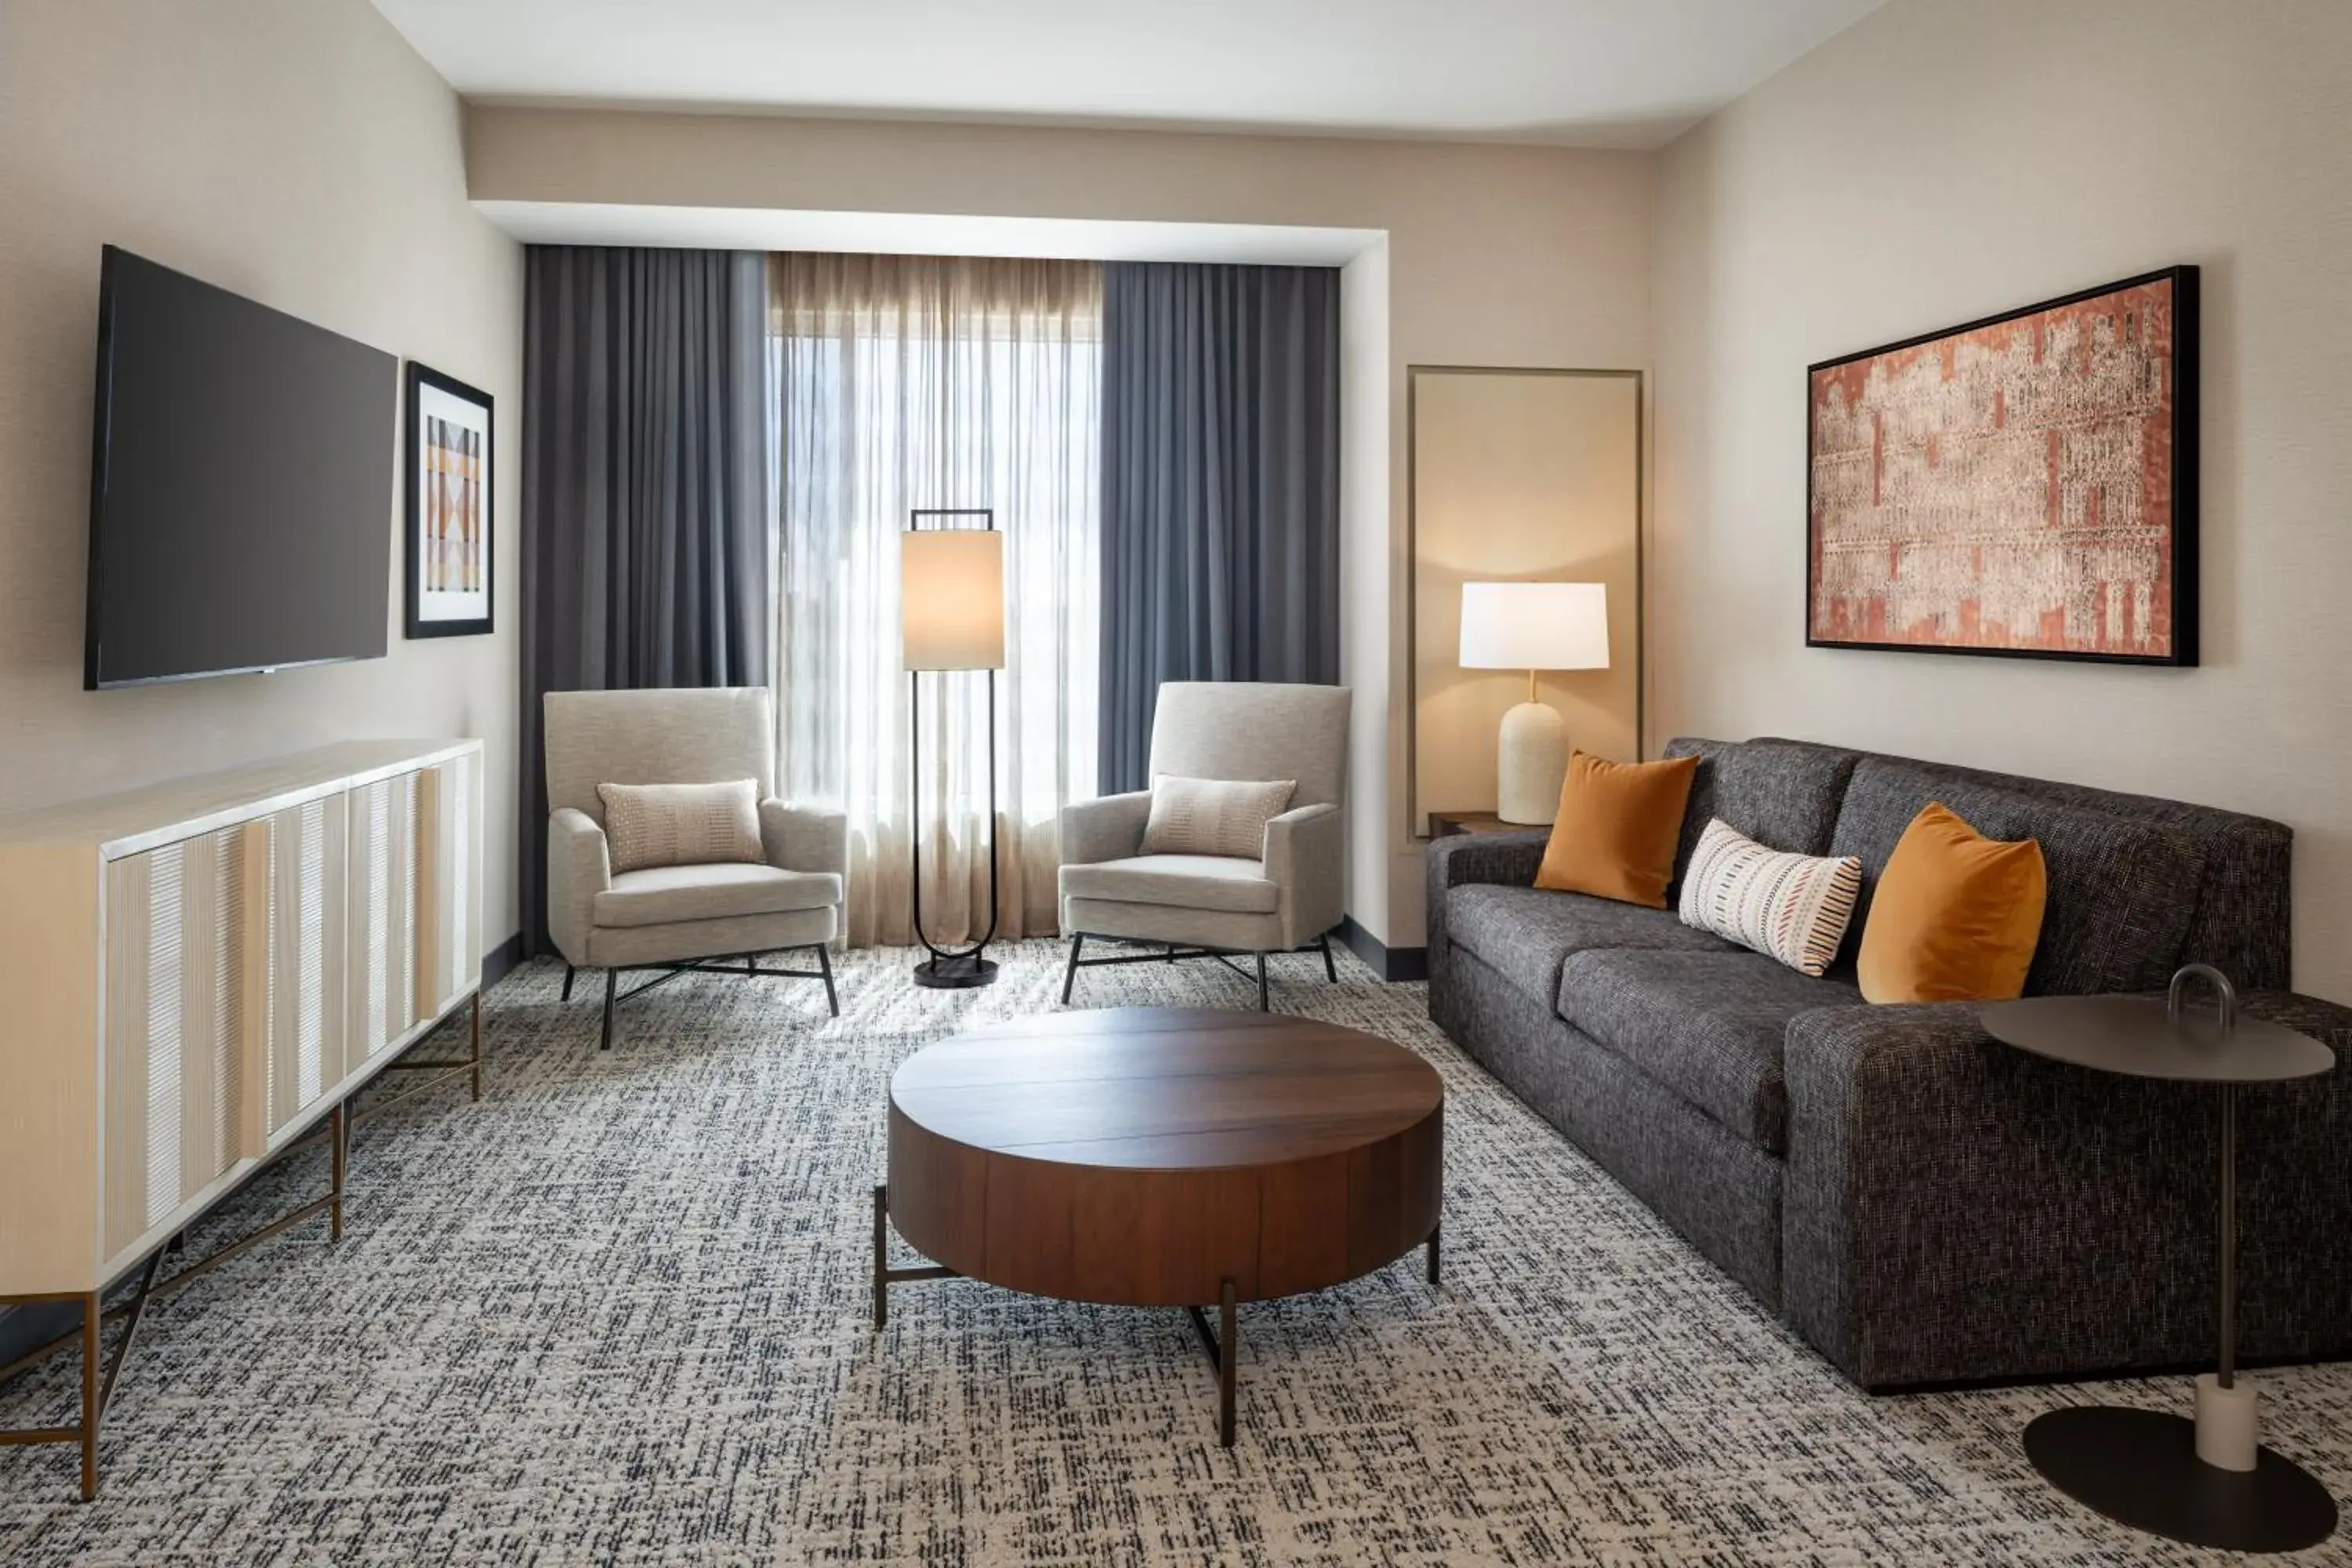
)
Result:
{"points": [[681, 825], [1213, 816], [1794, 908]]}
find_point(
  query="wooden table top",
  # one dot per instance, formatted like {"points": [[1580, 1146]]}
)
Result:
{"points": [[1152, 1156], [1166, 1089]]}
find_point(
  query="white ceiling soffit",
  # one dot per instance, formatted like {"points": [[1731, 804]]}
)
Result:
{"points": [[916, 234], [1600, 73]]}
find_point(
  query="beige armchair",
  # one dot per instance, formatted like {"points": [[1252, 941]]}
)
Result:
{"points": [[1201, 906], [679, 919]]}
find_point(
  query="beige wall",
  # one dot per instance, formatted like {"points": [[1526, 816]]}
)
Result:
{"points": [[1495, 256], [1938, 162], [1520, 477], [297, 151]]}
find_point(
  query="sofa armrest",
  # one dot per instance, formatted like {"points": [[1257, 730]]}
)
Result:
{"points": [[579, 867], [1458, 858], [1305, 856], [1955, 1209], [803, 838], [1109, 827]]}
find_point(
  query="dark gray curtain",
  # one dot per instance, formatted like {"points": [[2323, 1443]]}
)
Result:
{"points": [[644, 544], [1220, 487]]}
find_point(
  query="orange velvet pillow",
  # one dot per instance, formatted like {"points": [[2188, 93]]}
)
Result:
{"points": [[1617, 827], [1956, 916]]}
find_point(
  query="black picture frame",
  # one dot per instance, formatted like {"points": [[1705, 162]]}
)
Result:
{"points": [[419, 377], [2187, 372]]}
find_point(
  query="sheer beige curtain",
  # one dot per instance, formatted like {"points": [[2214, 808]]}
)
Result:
{"points": [[901, 382]]}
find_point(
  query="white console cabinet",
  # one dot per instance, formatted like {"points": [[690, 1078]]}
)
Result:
{"points": [[196, 976]]}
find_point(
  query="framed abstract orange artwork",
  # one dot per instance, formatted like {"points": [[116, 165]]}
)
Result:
{"points": [[2025, 485]]}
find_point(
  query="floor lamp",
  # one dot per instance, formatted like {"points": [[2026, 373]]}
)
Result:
{"points": [[951, 616]]}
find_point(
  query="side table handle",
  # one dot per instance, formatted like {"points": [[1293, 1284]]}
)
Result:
{"points": [[2223, 991]]}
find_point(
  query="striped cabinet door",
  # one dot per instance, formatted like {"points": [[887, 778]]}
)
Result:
{"points": [[382, 991], [302, 962], [178, 1010], [449, 884]]}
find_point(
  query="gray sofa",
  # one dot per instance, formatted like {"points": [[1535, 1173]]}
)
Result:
{"points": [[1922, 1203]]}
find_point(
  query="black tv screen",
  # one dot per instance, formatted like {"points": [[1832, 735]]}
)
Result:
{"points": [[241, 485]]}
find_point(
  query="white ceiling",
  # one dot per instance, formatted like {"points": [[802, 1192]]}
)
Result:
{"points": [[1617, 73]]}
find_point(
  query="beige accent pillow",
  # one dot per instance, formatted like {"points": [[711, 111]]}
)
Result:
{"points": [[1213, 816], [681, 825], [1794, 907]]}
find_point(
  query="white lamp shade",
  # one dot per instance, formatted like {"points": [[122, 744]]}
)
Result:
{"points": [[1535, 626], [951, 599]]}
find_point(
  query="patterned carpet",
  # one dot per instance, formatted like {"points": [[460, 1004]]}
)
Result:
{"points": [[617, 1315]]}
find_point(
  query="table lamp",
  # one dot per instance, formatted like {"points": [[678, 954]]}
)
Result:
{"points": [[1533, 627], [951, 616]]}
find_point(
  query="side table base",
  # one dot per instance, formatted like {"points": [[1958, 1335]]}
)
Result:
{"points": [[2140, 1468]]}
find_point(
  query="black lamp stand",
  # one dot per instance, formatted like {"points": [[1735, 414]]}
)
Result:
{"points": [[971, 967]]}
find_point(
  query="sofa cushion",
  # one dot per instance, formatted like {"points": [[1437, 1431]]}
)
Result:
{"points": [[1783, 794], [1180, 882], [2121, 891], [1707, 1025], [661, 895], [1523, 933]]}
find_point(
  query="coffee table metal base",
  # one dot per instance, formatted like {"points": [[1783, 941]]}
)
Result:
{"points": [[2140, 1468], [1223, 1342]]}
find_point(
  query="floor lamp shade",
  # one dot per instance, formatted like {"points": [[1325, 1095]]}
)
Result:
{"points": [[1533, 627], [951, 599]]}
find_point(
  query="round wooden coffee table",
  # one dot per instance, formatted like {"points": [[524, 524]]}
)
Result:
{"points": [[1162, 1157]]}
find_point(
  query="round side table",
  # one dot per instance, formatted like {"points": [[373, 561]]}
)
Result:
{"points": [[2209, 1482]]}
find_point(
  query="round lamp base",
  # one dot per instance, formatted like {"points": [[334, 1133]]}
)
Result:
{"points": [[956, 971], [2140, 1468], [1530, 764]]}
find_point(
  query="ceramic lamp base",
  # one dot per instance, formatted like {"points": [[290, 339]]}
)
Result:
{"points": [[1530, 764]]}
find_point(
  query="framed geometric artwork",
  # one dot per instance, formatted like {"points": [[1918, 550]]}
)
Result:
{"points": [[451, 526], [2022, 486]]}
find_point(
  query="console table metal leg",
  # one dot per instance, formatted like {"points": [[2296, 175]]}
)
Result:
{"points": [[1229, 1346], [93, 1317], [338, 1152]]}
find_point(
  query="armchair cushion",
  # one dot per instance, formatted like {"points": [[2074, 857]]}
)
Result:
{"points": [[661, 895], [1180, 882]]}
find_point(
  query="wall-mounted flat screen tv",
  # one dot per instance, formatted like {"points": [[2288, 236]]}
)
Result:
{"points": [[241, 485]]}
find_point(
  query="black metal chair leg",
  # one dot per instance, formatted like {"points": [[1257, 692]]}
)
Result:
{"points": [[567, 983], [1262, 1005], [824, 963], [1070, 976], [612, 982], [1330, 967]]}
